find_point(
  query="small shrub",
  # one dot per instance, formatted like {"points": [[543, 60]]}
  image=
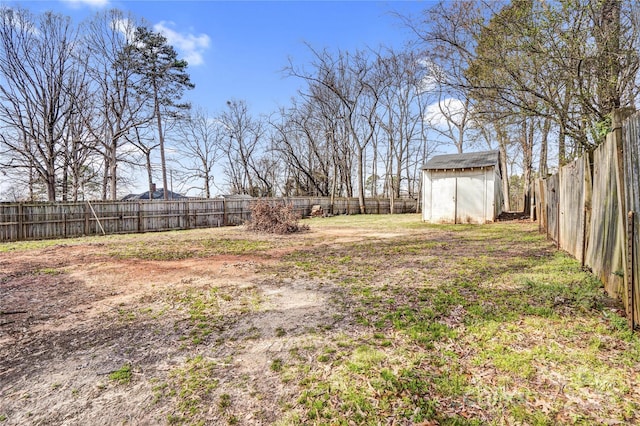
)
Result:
{"points": [[276, 218]]}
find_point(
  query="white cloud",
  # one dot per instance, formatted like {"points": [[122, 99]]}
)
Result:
{"points": [[428, 84], [191, 46], [433, 77], [126, 27], [91, 3], [439, 114], [20, 22]]}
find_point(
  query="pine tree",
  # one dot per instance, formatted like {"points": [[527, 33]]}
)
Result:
{"points": [[165, 79]]}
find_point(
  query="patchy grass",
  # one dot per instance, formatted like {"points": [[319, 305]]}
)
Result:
{"points": [[395, 321], [188, 248], [392, 222], [18, 246], [210, 311], [173, 245], [464, 325], [190, 389]]}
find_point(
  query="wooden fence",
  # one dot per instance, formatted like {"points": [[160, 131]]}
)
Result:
{"points": [[35, 221], [590, 209]]}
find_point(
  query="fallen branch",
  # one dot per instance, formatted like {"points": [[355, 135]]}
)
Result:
{"points": [[5, 323], [12, 312]]}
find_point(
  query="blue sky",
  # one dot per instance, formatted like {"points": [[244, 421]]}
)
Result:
{"points": [[237, 50]]}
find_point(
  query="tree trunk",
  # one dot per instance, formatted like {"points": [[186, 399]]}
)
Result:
{"points": [[105, 178], [502, 143], [527, 156], [51, 182], [113, 171], [562, 153], [163, 163], [149, 174], [608, 45], [543, 168], [333, 188], [207, 189], [361, 180], [65, 182]]}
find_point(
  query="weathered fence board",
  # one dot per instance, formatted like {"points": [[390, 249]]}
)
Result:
{"points": [[604, 249], [539, 188], [601, 191], [572, 203], [34, 221], [631, 149]]}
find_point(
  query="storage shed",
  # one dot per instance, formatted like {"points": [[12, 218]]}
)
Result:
{"points": [[462, 188]]}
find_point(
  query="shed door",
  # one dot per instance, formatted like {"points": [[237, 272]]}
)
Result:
{"points": [[471, 196], [443, 197]]}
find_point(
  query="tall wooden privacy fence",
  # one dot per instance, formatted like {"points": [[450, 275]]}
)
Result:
{"points": [[34, 221], [590, 209]]}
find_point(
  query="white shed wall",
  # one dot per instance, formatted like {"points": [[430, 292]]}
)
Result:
{"points": [[461, 196]]}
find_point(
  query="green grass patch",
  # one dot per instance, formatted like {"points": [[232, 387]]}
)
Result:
{"points": [[277, 365], [49, 271], [189, 390], [122, 375]]}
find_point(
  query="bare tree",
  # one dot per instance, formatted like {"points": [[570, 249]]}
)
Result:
{"points": [[400, 115], [80, 158], [37, 93], [301, 141], [198, 140], [120, 108], [350, 79], [571, 62], [244, 134]]}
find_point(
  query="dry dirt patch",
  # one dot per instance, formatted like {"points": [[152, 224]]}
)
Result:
{"points": [[73, 315]]}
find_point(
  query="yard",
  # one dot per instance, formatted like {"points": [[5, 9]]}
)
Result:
{"points": [[361, 320]]}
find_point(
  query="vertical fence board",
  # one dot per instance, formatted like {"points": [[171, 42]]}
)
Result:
{"points": [[572, 197], [542, 204], [631, 149], [604, 254]]}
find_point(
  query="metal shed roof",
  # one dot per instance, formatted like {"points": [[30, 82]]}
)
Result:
{"points": [[467, 160]]}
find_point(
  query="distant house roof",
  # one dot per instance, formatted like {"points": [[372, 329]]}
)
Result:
{"points": [[467, 160], [158, 194], [237, 196]]}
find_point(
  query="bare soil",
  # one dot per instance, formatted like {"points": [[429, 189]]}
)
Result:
{"points": [[73, 314]]}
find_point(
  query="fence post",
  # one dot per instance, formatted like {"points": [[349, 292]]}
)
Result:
{"points": [[224, 212], [87, 228], [558, 222], [20, 222], [186, 215], [139, 217]]}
